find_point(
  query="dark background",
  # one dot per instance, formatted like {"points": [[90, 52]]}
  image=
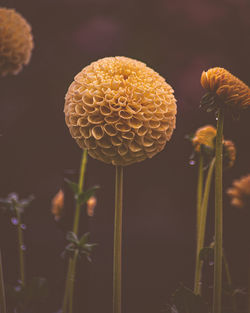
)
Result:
{"points": [[177, 38]]}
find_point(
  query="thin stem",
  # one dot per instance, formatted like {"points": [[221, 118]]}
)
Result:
{"points": [[217, 291], [229, 281], [199, 192], [248, 290], [67, 284], [80, 189], [2, 289], [72, 282], [21, 247], [71, 267], [117, 265], [202, 229]]}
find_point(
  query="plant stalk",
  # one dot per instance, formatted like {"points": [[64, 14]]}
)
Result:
{"points": [[202, 229], [217, 291], [72, 281], [80, 189], [2, 289], [199, 193], [21, 247], [229, 282], [248, 289], [117, 263], [71, 266]]}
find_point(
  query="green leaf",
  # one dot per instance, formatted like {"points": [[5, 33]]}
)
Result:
{"points": [[188, 302], [84, 196], [89, 246], [84, 239], [72, 237], [72, 185]]}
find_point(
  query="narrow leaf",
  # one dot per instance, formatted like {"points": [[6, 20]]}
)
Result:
{"points": [[73, 186], [84, 239], [84, 196]]}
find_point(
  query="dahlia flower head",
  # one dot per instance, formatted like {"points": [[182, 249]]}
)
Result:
{"points": [[206, 136], [229, 153], [240, 192], [231, 91], [120, 110], [16, 42]]}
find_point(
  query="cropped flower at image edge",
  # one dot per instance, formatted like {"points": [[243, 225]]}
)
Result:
{"points": [[16, 42], [230, 90]]}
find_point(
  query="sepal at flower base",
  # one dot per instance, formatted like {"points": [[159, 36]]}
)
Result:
{"points": [[209, 102]]}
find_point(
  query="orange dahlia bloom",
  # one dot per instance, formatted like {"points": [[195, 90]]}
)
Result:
{"points": [[57, 204], [16, 42], [229, 89], [229, 155], [120, 110], [91, 204], [204, 136], [240, 192]]}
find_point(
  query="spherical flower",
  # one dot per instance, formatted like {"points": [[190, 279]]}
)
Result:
{"points": [[16, 42], [204, 136], [240, 192], [229, 89], [120, 110], [229, 153], [57, 205]]}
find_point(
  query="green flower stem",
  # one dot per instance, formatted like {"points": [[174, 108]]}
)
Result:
{"points": [[217, 291], [117, 263], [80, 189], [229, 281], [202, 229], [71, 266], [199, 192], [67, 285], [2, 289], [21, 245], [72, 281], [248, 290]]}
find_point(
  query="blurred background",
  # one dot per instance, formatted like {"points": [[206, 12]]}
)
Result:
{"points": [[179, 39]]}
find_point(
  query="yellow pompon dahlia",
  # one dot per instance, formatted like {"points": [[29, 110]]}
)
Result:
{"points": [[16, 42], [229, 154], [57, 205], [231, 91], [120, 110], [204, 136], [240, 192]]}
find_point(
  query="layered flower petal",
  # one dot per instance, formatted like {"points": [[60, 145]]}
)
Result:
{"points": [[120, 110]]}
